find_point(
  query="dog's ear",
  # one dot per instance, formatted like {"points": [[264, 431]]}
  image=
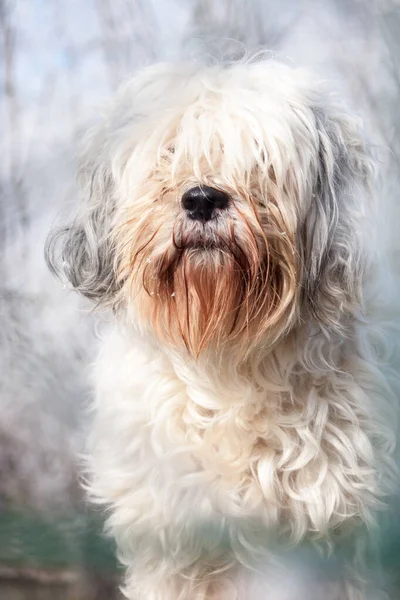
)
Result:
{"points": [[84, 252], [333, 229]]}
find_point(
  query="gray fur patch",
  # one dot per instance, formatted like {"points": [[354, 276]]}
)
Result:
{"points": [[83, 252], [332, 249]]}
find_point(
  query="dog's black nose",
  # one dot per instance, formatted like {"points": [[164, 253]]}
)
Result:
{"points": [[200, 202]]}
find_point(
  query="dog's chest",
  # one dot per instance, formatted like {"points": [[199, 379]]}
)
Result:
{"points": [[168, 439], [228, 447]]}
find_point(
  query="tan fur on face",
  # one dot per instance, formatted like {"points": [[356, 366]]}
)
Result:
{"points": [[229, 280]]}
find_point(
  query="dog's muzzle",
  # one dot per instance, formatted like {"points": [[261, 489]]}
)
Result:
{"points": [[201, 203]]}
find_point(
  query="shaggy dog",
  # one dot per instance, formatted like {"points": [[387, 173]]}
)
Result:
{"points": [[240, 401]]}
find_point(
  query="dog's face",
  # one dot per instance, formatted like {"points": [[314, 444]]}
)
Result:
{"points": [[222, 206]]}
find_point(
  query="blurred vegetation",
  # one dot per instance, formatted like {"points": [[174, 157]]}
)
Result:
{"points": [[43, 556], [37, 541]]}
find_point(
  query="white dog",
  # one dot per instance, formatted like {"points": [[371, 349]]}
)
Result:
{"points": [[240, 403]]}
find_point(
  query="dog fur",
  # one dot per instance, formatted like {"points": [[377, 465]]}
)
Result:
{"points": [[241, 398]]}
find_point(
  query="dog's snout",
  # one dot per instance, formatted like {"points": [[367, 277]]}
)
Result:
{"points": [[201, 202]]}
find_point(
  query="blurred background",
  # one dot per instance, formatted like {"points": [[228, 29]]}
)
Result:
{"points": [[59, 60]]}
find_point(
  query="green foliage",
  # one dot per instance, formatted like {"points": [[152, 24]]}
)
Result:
{"points": [[50, 542]]}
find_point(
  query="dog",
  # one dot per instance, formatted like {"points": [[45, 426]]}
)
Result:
{"points": [[241, 405]]}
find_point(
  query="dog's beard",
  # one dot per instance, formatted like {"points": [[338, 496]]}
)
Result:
{"points": [[214, 286]]}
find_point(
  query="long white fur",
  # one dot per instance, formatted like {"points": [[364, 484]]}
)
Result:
{"points": [[204, 462]]}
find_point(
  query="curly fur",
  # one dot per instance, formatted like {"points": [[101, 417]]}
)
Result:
{"points": [[242, 400]]}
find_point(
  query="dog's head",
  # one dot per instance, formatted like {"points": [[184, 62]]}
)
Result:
{"points": [[222, 205]]}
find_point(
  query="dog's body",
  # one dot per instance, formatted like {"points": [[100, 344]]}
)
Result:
{"points": [[241, 403]]}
